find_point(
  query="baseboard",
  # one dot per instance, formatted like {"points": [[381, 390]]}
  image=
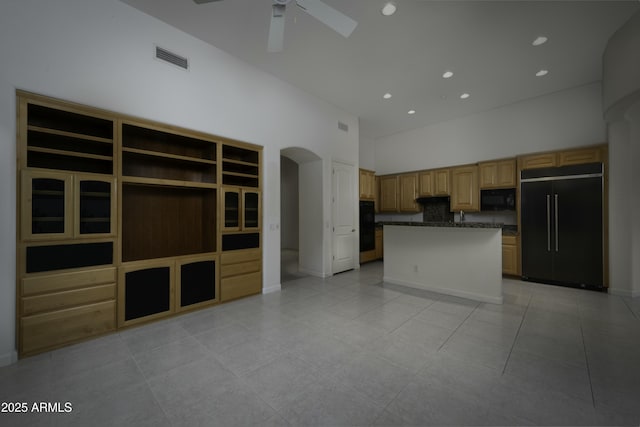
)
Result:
{"points": [[624, 293], [313, 273], [452, 292], [8, 358], [273, 288]]}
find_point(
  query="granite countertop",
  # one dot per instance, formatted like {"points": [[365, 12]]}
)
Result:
{"points": [[465, 224]]}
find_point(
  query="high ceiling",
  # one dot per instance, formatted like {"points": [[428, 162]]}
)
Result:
{"points": [[486, 44]]}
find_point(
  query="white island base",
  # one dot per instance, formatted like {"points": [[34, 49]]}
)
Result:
{"points": [[460, 261]]}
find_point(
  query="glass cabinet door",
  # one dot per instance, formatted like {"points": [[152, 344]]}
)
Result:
{"points": [[231, 218], [250, 209], [95, 207], [46, 198]]}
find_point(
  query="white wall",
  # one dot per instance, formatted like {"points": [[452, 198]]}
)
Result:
{"points": [[289, 210], [367, 153], [621, 102], [621, 71], [560, 120], [312, 257], [100, 53]]}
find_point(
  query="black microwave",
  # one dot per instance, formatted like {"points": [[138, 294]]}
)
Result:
{"points": [[498, 200]]}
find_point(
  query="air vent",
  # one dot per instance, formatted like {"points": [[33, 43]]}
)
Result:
{"points": [[172, 58], [343, 126]]}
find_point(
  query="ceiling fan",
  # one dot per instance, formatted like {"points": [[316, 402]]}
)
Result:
{"points": [[324, 13]]}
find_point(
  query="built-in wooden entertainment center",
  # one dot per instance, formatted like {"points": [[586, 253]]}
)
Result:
{"points": [[123, 221]]}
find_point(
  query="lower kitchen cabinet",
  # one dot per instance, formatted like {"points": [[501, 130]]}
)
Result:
{"points": [[510, 255], [379, 243]]}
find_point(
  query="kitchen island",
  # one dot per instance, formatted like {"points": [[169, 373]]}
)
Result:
{"points": [[460, 259]]}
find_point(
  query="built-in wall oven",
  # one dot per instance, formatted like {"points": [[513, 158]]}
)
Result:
{"points": [[367, 226]]}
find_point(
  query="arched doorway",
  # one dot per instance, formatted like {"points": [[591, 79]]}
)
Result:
{"points": [[301, 214]]}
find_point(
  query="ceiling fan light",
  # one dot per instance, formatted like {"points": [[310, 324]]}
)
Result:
{"points": [[447, 75], [389, 9], [386, 95]]}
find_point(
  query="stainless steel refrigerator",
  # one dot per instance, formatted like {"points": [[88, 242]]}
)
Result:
{"points": [[562, 225]]}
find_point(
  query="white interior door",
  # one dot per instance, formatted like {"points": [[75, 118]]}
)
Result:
{"points": [[344, 229]]}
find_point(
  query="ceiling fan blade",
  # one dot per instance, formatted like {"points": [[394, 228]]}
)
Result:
{"points": [[205, 1], [329, 16], [276, 30]]}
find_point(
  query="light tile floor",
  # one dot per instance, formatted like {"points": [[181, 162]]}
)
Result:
{"points": [[350, 350]]}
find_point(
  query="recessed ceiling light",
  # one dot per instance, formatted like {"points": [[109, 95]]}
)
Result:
{"points": [[542, 73], [539, 40], [389, 9], [464, 96], [411, 112], [447, 75], [386, 95]]}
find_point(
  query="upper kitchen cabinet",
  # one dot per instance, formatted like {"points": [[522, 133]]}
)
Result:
{"points": [[464, 189], [408, 193], [582, 156], [389, 193], [497, 174], [367, 185], [576, 156], [433, 183], [540, 160]]}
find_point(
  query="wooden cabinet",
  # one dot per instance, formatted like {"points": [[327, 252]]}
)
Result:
{"points": [[241, 259], [123, 221], [408, 192], [367, 183], [510, 255], [60, 205], [379, 243], [576, 156], [389, 193], [497, 174], [434, 183], [62, 308], [540, 160], [241, 209], [241, 274], [581, 156], [464, 189], [67, 222]]}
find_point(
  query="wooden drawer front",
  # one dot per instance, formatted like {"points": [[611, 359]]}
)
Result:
{"points": [[509, 240], [66, 281], [67, 299], [234, 257], [49, 330], [534, 161], [240, 286], [576, 157], [240, 268]]}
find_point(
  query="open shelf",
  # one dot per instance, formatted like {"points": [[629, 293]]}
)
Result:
{"points": [[159, 222], [240, 167], [152, 140], [166, 182], [168, 156], [170, 168], [240, 155], [69, 161], [152, 153], [68, 123]]}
